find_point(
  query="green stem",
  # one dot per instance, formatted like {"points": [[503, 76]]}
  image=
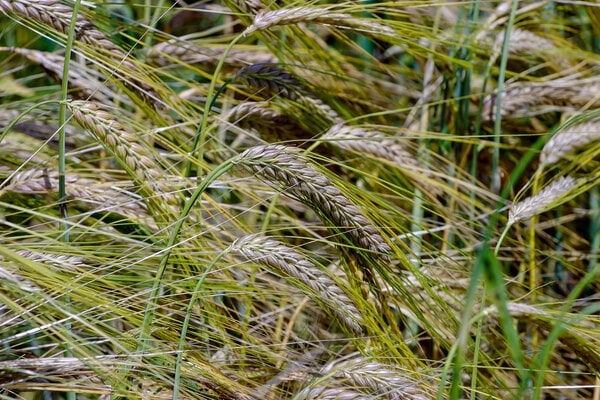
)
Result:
{"points": [[498, 116], [150, 305], [62, 135], [186, 323], [200, 139]]}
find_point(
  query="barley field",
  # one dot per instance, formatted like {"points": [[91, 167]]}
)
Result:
{"points": [[292, 199]]}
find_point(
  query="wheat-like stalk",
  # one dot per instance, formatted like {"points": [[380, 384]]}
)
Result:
{"points": [[88, 86], [56, 15], [115, 138], [267, 118], [89, 194], [542, 201], [34, 181], [85, 81], [317, 109], [360, 378], [371, 142], [261, 110], [187, 53], [327, 393], [9, 276], [377, 378], [249, 6], [529, 99], [527, 43], [294, 15], [292, 264], [272, 79], [568, 141], [55, 260], [52, 367], [289, 167], [380, 146]]}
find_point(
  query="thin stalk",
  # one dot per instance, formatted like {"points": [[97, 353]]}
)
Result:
{"points": [[152, 19], [560, 325], [594, 228], [186, 322], [533, 267], [456, 355], [199, 141], [481, 268], [162, 267], [62, 150], [498, 119], [188, 168], [476, 345], [417, 208]]}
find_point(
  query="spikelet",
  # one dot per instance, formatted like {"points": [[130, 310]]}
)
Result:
{"points": [[272, 79], [568, 141], [9, 276], [320, 113], [374, 377], [55, 14], [292, 264], [325, 393], [249, 6], [360, 378], [527, 43], [287, 16], [542, 201], [59, 261], [380, 146], [287, 166]]}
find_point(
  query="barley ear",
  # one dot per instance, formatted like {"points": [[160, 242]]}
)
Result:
{"points": [[302, 273], [271, 78], [57, 16], [135, 158], [288, 166], [545, 200], [568, 141], [288, 169], [293, 15]]}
